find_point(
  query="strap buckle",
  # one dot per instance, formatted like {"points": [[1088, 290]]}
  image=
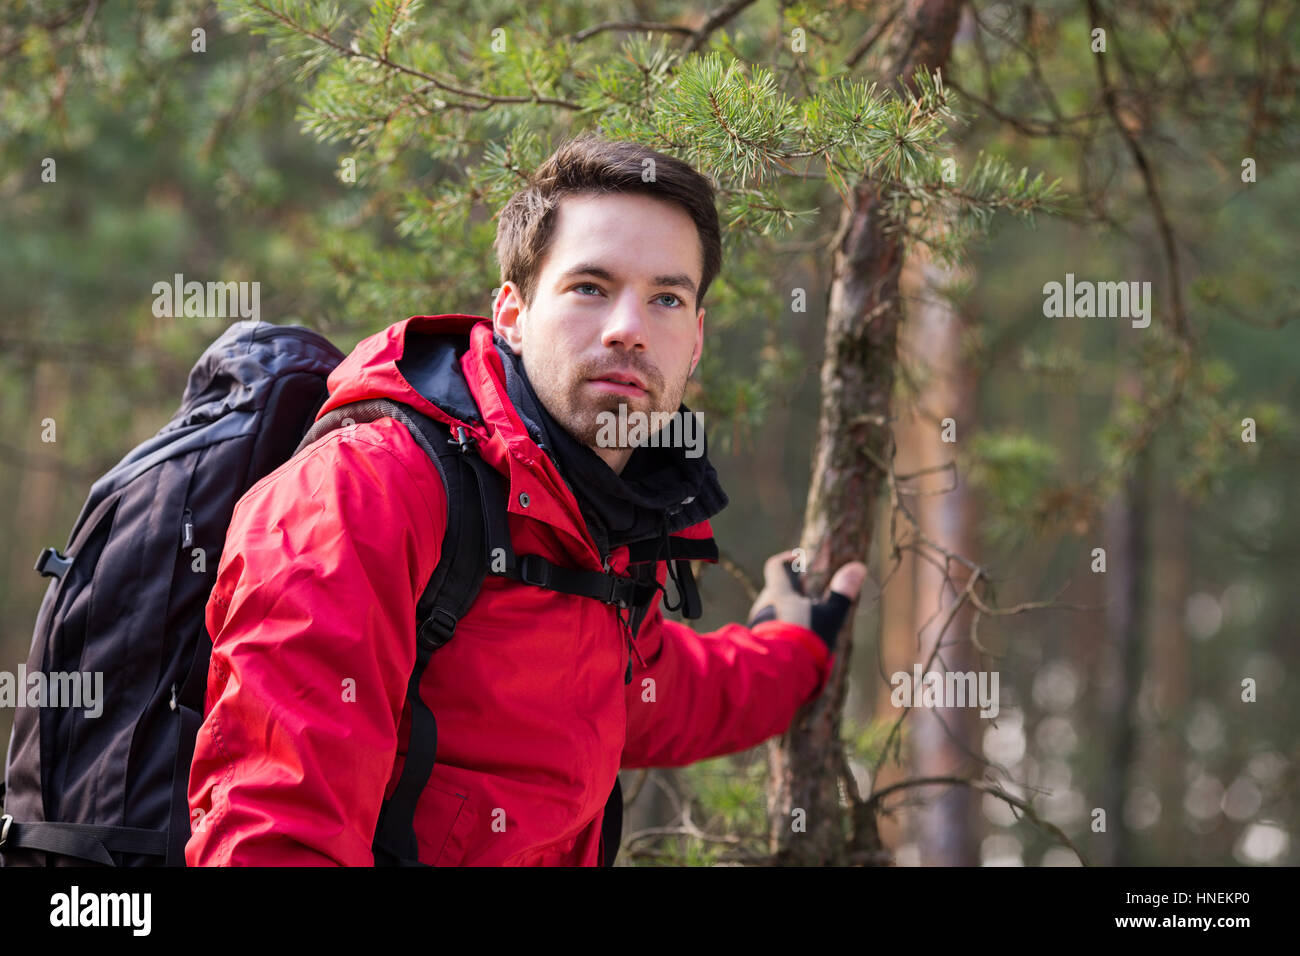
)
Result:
{"points": [[52, 564], [437, 629], [534, 570], [5, 821], [621, 592]]}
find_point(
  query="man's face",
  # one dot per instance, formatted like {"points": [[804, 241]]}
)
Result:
{"points": [[615, 302]]}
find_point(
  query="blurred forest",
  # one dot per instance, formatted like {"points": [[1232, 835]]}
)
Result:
{"points": [[308, 148]]}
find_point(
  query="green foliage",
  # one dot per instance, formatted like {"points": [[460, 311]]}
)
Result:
{"points": [[233, 163], [387, 80], [725, 797], [1016, 471], [866, 742]]}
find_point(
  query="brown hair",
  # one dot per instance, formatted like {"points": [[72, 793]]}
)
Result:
{"points": [[592, 164]]}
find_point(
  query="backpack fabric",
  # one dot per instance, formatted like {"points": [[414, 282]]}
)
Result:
{"points": [[127, 601], [129, 592]]}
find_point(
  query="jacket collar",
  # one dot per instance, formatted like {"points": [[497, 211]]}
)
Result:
{"points": [[660, 491], [448, 367]]}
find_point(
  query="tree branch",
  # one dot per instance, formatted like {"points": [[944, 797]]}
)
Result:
{"points": [[632, 25], [713, 21], [993, 790], [382, 60], [1166, 231]]}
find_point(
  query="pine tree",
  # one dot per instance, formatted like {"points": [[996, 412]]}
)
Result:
{"points": [[839, 140], [443, 125]]}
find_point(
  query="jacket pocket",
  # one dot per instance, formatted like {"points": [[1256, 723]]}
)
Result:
{"points": [[445, 819]]}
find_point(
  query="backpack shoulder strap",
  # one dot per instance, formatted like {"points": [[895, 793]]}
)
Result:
{"points": [[451, 589], [477, 542]]}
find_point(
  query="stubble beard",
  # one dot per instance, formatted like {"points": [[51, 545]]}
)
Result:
{"points": [[578, 414]]}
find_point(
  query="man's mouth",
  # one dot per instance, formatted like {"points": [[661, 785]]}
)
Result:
{"points": [[625, 384]]}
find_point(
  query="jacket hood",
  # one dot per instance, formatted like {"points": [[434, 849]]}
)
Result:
{"points": [[448, 367]]}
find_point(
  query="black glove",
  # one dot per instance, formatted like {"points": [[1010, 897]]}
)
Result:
{"points": [[783, 598]]}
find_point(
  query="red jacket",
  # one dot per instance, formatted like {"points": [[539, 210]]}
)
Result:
{"points": [[312, 621]]}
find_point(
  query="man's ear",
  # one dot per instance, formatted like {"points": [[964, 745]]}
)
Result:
{"points": [[508, 317], [699, 342]]}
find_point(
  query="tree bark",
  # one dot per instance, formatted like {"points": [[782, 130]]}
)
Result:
{"points": [[898, 646], [857, 379], [944, 738]]}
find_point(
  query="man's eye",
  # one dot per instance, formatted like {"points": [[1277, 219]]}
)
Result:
{"points": [[587, 285], [669, 295]]}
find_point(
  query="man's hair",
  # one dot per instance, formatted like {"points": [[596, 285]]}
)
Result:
{"points": [[594, 165]]}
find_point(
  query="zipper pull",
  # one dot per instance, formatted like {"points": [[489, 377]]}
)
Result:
{"points": [[639, 659], [630, 638], [631, 641], [187, 529]]}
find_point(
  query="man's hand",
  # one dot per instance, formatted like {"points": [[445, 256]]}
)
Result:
{"points": [[782, 598]]}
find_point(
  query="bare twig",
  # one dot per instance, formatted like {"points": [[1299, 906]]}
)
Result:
{"points": [[1023, 806], [713, 21], [740, 574], [632, 25], [325, 39], [875, 33], [1110, 98]]}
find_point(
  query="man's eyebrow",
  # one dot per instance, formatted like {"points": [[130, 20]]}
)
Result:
{"points": [[678, 279]]}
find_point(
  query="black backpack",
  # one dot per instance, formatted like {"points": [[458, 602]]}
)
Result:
{"points": [[130, 590]]}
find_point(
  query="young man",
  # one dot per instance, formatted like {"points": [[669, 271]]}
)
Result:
{"points": [[306, 729]]}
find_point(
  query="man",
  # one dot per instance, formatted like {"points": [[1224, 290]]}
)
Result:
{"points": [[306, 728]]}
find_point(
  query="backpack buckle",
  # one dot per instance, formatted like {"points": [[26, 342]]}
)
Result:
{"points": [[5, 821], [534, 570], [436, 629], [621, 592], [52, 564]]}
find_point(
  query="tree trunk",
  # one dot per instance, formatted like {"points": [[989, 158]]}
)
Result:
{"points": [[1169, 664], [35, 508], [37, 503], [944, 738], [898, 647], [1126, 553], [857, 379]]}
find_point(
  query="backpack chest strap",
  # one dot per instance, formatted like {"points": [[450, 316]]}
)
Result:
{"points": [[607, 587]]}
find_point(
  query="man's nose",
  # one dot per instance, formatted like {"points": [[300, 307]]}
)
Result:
{"points": [[625, 324]]}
